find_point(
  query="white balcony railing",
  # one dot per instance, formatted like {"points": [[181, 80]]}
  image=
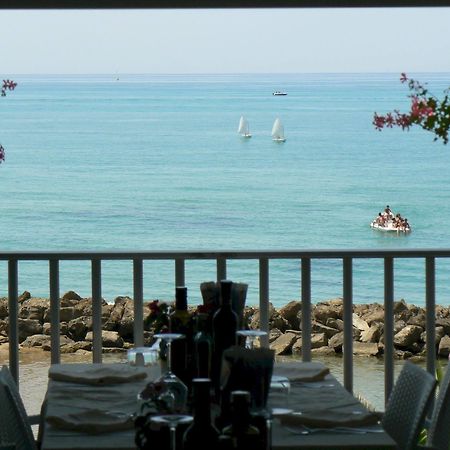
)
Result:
{"points": [[221, 257]]}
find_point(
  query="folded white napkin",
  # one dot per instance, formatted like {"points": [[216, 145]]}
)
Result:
{"points": [[301, 371], [325, 418], [96, 373], [92, 421]]}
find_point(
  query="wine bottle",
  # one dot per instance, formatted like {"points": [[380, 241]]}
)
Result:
{"points": [[201, 434], [202, 348], [180, 322], [225, 322], [243, 435]]}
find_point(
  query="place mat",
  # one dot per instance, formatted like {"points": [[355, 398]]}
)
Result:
{"points": [[301, 371], [326, 418], [97, 374], [92, 421]]}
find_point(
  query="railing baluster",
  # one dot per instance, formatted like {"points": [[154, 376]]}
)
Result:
{"points": [[55, 307], [13, 309], [179, 272], [96, 310], [388, 327], [221, 269], [348, 323], [138, 296], [306, 309], [430, 295], [264, 299]]}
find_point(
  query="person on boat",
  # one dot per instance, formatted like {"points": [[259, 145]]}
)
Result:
{"points": [[388, 212], [380, 219], [406, 224]]}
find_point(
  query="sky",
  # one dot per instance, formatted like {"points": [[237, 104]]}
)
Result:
{"points": [[225, 41]]}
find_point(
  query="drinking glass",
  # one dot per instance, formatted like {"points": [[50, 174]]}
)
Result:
{"points": [[277, 402], [142, 356], [175, 392], [251, 337], [172, 420]]}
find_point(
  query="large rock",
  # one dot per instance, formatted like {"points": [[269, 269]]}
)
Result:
{"points": [[109, 339], [336, 342], [28, 327], [331, 309], [47, 328], [365, 349], [406, 337], [275, 333], [34, 308], [317, 340], [438, 335], [337, 324], [317, 327], [24, 296], [44, 341], [78, 328], [127, 321], [374, 316], [290, 312], [71, 295], [283, 344], [444, 323], [75, 346], [115, 316], [359, 323], [3, 308], [373, 334], [323, 351], [444, 347], [419, 320]]}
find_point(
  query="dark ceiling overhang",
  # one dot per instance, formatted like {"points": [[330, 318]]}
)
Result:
{"points": [[214, 4]]}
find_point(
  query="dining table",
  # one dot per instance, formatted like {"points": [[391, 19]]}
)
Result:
{"points": [[91, 406]]}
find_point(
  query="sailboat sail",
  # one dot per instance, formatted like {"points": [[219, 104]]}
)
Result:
{"points": [[278, 131], [244, 128]]}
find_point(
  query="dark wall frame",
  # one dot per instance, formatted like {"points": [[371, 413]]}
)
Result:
{"points": [[214, 4]]}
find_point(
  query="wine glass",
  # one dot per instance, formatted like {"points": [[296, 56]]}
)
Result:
{"points": [[251, 337], [172, 420], [142, 356], [175, 392]]}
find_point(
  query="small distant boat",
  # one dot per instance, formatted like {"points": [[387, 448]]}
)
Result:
{"points": [[244, 128], [386, 221], [279, 93], [278, 131]]}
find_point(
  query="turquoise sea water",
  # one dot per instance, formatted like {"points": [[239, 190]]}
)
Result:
{"points": [[155, 163]]}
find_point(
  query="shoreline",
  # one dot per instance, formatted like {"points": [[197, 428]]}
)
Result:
{"points": [[284, 324]]}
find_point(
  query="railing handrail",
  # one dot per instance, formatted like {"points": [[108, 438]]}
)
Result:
{"points": [[179, 257], [225, 254]]}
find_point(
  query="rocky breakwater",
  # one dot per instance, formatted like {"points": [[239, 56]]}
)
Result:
{"points": [[75, 323], [285, 326], [368, 329]]}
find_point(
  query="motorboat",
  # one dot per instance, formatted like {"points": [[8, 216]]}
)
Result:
{"points": [[279, 93], [386, 222]]}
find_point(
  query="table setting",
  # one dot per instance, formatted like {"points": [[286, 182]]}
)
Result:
{"points": [[225, 382]]}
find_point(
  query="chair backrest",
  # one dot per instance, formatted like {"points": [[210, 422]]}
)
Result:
{"points": [[407, 405], [14, 425], [439, 430]]}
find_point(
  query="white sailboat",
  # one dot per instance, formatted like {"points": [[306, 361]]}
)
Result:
{"points": [[278, 131], [244, 128]]}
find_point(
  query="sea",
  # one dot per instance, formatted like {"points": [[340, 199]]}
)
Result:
{"points": [[154, 162]]}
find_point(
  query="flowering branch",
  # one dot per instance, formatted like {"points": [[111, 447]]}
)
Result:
{"points": [[426, 111], [8, 85]]}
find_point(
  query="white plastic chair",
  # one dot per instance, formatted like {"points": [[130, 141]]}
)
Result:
{"points": [[15, 430], [407, 405]]}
